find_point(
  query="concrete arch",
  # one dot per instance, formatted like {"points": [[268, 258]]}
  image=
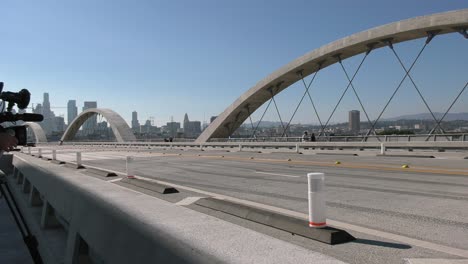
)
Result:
{"points": [[39, 133], [404, 30], [120, 128]]}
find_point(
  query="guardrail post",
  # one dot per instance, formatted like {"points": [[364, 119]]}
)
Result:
{"points": [[382, 149], [54, 154], [240, 147], [317, 213], [129, 168], [78, 160]]}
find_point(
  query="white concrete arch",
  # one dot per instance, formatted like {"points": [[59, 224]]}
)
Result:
{"points": [[38, 132], [405, 30], [120, 128]]}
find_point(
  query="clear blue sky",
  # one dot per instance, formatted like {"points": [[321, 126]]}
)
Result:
{"points": [[165, 58]]}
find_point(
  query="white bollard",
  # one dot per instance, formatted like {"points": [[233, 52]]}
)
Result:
{"points": [[201, 147], [317, 212], [297, 147], [39, 155], [29, 150], [382, 149], [78, 159], [240, 147], [129, 167], [54, 154]]}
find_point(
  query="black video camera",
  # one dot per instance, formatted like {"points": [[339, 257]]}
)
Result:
{"points": [[21, 99]]}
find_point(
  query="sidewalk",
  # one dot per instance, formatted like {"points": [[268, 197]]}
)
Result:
{"points": [[12, 248]]}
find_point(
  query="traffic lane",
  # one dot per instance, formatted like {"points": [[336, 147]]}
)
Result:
{"points": [[419, 217]]}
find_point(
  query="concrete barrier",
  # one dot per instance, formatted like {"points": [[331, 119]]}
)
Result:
{"points": [[287, 223]]}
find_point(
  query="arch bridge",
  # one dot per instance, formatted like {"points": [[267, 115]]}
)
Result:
{"points": [[119, 127], [364, 42]]}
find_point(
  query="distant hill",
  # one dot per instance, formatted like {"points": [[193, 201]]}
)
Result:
{"points": [[428, 116]]}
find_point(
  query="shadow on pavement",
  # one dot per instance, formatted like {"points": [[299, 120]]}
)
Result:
{"points": [[381, 243]]}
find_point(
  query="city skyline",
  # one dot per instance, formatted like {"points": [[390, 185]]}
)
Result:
{"points": [[141, 71]]}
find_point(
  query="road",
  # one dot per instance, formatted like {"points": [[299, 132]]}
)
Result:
{"points": [[418, 212]]}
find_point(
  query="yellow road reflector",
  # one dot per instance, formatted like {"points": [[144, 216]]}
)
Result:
{"points": [[405, 166], [337, 162]]}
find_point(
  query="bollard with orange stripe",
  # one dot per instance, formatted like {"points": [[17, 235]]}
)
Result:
{"points": [[129, 168], [317, 212]]}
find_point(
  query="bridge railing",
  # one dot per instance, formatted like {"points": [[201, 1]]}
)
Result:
{"points": [[373, 138]]}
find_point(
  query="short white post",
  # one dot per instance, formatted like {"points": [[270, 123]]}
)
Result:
{"points": [[201, 147], [39, 154], [382, 149], [129, 168], [297, 147], [78, 159], [54, 154], [317, 212], [29, 150], [240, 147]]}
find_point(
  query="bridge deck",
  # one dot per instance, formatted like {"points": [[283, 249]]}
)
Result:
{"points": [[425, 203]]}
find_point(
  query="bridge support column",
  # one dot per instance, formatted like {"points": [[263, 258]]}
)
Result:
{"points": [[48, 219], [34, 197], [26, 187]]}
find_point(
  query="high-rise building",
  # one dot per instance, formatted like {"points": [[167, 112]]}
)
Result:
{"points": [[90, 125], [48, 124], [72, 111], [172, 128], [191, 128], [354, 121], [135, 123], [59, 124]]}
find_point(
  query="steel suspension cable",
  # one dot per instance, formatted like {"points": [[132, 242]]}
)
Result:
{"points": [[357, 96], [342, 95], [446, 112], [313, 105], [277, 110], [300, 102], [398, 87], [417, 89], [264, 112]]}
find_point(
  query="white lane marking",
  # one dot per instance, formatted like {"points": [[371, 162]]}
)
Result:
{"points": [[399, 238], [188, 200], [434, 261], [115, 180], [277, 174]]}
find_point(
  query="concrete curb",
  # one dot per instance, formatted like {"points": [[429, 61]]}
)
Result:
{"points": [[406, 156], [340, 154], [152, 186], [59, 162], [328, 235], [101, 172]]}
